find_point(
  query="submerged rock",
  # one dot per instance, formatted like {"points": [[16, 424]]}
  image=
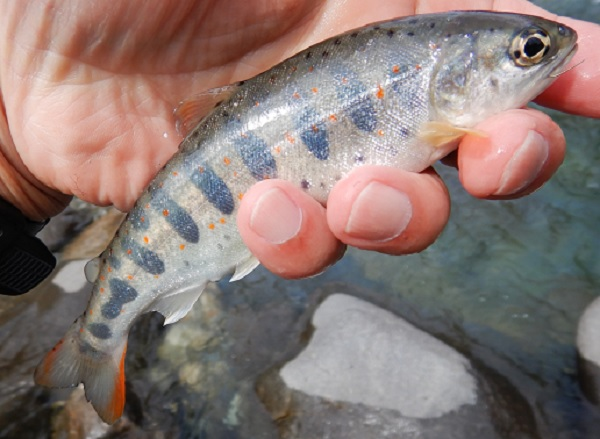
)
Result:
{"points": [[588, 347], [363, 354], [367, 373]]}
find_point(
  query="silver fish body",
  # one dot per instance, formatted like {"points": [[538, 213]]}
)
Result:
{"points": [[398, 93]]}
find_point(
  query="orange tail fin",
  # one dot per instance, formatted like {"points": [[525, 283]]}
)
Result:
{"points": [[103, 374]]}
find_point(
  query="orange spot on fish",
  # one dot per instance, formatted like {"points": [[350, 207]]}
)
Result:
{"points": [[256, 104], [244, 135], [418, 67], [156, 276], [165, 212], [235, 174], [175, 174], [91, 312], [333, 118], [311, 68], [130, 277], [296, 95], [181, 246], [142, 219], [102, 277], [109, 269], [277, 149], [396, 69], [315, 90], [344, 80], [211, 226], [101, 290], [433, 46], [289, 138], [80, 330], [227, 161], [240, 196], [160, 185], [315, 128], [146, 239], [222, 220], [380, 92], [380, 133], [147, 206], [200, 169], [128, 251]]}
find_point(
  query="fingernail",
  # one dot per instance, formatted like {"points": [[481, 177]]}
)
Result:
{"points": [[275, 217], [380, 213], [524, 167]]}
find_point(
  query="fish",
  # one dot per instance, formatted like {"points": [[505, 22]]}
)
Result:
{"points": [[400, 93]]}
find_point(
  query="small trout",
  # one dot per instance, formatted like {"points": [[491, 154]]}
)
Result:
{"points": [[398, 93]]}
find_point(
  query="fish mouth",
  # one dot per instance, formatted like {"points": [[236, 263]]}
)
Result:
{"points": [[559, 69]]}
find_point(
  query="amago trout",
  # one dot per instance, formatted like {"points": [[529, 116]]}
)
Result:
{"points": [[399, 93]]}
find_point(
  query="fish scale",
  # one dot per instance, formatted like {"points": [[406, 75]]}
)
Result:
{"points": [[400, 93]]}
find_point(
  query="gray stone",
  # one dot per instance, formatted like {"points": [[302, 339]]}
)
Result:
{"points": [[588, 347], [360, 353]]}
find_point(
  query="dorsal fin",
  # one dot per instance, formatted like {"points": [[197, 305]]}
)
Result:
{"points": [[192, 110]]}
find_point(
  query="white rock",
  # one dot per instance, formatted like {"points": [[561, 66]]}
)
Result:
{"points": [[71, 277], [588, 333], [360, 353]]}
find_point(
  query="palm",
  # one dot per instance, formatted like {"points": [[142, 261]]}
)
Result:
{"points": [[93, 117]]}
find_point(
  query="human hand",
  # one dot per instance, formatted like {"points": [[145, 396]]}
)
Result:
{"points": [[89, 88]]}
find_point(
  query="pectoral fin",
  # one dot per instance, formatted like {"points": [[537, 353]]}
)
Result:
{"points": [[441, 133]]}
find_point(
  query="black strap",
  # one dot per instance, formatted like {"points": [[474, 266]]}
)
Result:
{"points": [[24, 259]]}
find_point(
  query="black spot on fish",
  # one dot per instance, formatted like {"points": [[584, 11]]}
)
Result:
{"points": [[144, 258], [114, 262], [213, 188], [362, 114], [492, 29], [256, 156], [431, 25], [354, 34], [177, 217], [361, 110], [404, 132], [337, 42], [304, 184], [121, 293], [314, 134], [308, 55], [225, 113], [100, 330], [240, 83], [410, 34], [376, 27], [325, 54], [494, 82], [390, 33], [413, 21], [359, 158], [139, 220]]}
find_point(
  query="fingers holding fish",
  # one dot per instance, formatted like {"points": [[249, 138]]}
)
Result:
{"points": [[287, 230], [388, 210], [523, 149]]}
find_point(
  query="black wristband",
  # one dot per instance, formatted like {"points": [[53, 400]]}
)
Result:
{"points": [[24, 259]]}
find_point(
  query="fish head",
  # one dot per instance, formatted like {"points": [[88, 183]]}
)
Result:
{"points": [[491, 62]]}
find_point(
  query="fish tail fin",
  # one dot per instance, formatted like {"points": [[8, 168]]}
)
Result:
{"points": [[103, 374]]}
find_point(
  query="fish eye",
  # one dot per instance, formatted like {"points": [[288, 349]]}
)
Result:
{"points": [[530, 47]]}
